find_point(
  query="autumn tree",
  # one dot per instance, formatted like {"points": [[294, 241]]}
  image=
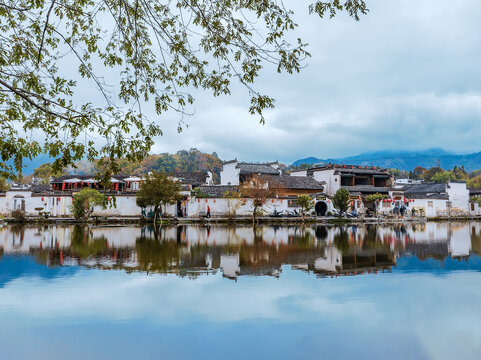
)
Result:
{"points": [[341, 201], [158, 190], [138, 60], [257, 189], [429, 174]]}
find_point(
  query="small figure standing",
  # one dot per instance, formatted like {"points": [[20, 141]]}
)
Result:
{"points": [[208, 211]]}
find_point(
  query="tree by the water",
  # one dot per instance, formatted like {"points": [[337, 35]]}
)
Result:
{"points": [[158, 190], [306, 203], [89, 79], [85, 201], [341, 201]]}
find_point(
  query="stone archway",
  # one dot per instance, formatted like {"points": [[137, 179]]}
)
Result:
{"points": [[321, 208]]}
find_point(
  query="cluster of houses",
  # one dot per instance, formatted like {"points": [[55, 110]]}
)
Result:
{"points": [[202, 195]]}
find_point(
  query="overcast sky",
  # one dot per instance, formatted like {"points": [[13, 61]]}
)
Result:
{"points": [[407, 76]]}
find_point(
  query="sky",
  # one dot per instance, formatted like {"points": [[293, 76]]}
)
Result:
{"points": [[405, 77]]}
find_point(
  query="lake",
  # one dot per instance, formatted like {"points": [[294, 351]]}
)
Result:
{"points": [[409, 291]]}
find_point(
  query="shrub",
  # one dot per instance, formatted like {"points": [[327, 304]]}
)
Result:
{"points": [[85, 201], [19, 215]]}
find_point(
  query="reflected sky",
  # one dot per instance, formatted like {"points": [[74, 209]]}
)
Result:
{"points": [[394, 293]]}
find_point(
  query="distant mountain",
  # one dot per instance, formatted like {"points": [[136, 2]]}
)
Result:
{"points": [[404, 160]]}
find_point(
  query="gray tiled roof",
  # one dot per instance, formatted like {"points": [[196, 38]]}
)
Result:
{"points": [[217, 190], [424, 188], [248, 168], [193, 178], [475, 191], [293, 182], [351, 169], [426, 191], [41, 188]]}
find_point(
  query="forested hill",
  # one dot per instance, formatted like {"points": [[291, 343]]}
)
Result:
{"points": [[182, 161], [405, 160]]}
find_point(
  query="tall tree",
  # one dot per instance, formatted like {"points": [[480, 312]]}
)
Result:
{"points": [[158, 190], [135, 58], [341, 201]]}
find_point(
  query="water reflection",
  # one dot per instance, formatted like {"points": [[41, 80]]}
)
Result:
{"points": [[190, 251]]}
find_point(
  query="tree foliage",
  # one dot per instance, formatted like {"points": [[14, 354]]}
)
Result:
{"points": [[438, 175], [341, 201], [306, 203], [375, 197], [85, 201], [158, 190], [45, 171], [135, 58], [3, 184]]}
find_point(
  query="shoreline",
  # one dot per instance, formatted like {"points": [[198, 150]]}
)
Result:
{"points": [[239, 220]]}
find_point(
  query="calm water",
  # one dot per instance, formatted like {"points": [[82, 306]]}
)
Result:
{"points": [[192, 292]]}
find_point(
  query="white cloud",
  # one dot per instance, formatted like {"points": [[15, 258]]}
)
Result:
{"points": [[405, 77]]}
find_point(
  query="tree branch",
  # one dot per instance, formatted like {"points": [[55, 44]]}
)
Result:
{"points": [[44, 30]]}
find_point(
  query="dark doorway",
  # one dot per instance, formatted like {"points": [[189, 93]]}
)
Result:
{"points": [[180, 209], [321, 208]]}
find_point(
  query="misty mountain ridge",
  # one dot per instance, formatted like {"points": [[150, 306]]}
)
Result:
{"points": [[404, 160]]}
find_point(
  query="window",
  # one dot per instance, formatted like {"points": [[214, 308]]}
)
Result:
{"points": [[430, 204]]}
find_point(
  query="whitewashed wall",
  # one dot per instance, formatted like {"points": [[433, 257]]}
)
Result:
{"points": [[332, 182], [221, 206], [229, 175], [458, 195]]}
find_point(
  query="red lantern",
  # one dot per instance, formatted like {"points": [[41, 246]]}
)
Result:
{"points": [[42, 199], [58, 199]]}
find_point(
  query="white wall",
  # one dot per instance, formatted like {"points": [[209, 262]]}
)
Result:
{"points": [[459, 195], [332, 182], [220, 206], [229, 175]]}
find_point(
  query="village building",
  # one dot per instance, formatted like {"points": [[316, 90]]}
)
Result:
{"points": [[358, 180], [236, 173], [429, 199]]}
